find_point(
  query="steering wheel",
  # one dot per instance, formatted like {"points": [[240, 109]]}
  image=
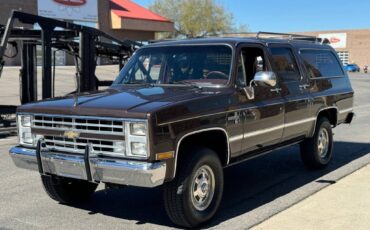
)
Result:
{"points": [[217, 75]]}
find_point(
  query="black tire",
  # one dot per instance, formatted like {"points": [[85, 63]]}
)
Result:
{"points": [[68, 191], [310, 148], [178, 193]]}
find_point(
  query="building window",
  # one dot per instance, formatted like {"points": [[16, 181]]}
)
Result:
{"points": [[344, 57]]}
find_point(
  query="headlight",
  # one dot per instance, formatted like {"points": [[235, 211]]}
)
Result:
{"points": [[138, 149], [137, 140], [138, 129], [26, 121], [26, 138], [24, 130]]}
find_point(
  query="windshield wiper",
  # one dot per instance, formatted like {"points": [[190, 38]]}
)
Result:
{"points": [[137, 83], [189, 83]]}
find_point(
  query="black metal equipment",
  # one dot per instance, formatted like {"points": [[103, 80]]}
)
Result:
{"points": [[84, 43]]}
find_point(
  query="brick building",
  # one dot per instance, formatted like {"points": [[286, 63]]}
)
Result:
{"points": [[122, 19]]}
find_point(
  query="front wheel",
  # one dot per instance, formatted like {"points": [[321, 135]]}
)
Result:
{"points": [[316, 152], [194, 196], [67, 191]]}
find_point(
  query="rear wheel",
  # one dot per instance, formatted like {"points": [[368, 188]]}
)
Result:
{"points": [[194, 196], [68, 191], [316, 152]]}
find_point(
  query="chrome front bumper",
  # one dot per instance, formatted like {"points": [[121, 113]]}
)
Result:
{"points": [[123, 172]]}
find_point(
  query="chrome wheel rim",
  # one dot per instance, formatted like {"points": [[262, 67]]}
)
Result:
{"points": [[323, 143], [202, 188]]}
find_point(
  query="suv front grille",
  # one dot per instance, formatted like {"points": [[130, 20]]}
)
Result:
{"points": [[86, 125], [106, 135], [78, 145]]}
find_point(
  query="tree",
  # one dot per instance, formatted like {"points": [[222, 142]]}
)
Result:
{"points": [[169, 9], [195, 18]]}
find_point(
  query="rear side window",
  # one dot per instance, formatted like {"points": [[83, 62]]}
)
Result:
{"points": [[285, 64], [321, 63]]}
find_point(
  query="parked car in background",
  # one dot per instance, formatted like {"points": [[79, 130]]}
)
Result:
{"points": [[352, 68]]}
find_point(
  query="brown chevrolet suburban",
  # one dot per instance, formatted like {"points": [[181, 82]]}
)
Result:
{"points": [[181, 111]]}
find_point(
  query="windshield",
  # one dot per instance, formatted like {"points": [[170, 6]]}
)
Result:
{"points": [[201, 65]]}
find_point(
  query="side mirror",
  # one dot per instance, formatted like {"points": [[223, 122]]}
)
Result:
{"points": [[265, 77], [261, 77]]}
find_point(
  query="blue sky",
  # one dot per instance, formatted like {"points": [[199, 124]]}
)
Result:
{"points": [[298, 15]]}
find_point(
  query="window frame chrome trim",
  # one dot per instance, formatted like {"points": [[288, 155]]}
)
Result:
{"points": [[336, 58], [232, 61]]}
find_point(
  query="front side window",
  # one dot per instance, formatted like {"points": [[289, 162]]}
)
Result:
{"points": [[203, 64], [251, 61], [285, 64], [321, 63]]}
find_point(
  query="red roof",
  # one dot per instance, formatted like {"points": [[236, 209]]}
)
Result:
{"points": [[129, 9]]}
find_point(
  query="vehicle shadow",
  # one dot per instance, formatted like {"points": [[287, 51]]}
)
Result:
{"points": [[248, 186]]}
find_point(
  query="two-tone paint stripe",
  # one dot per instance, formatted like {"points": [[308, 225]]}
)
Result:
{"points": [[271, 129], [279, 127]]}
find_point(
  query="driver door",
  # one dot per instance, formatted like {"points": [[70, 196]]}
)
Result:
{"points": [[263, 116]]}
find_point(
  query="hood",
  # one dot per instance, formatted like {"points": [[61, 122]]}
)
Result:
{"points": [[118, 101]]}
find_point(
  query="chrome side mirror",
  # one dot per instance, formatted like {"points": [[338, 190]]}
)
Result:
{"points": [[265, 77], [261, 77]]}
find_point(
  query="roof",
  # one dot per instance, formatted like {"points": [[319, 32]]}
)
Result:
{"points": [[131, 10], [212, 40], [234, 41]]}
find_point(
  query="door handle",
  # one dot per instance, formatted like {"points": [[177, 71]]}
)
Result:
{"points": [[304, 86], [276, 90]]}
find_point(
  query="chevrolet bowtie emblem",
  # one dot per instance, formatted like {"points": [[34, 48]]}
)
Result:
{"points": [[71, 134]]}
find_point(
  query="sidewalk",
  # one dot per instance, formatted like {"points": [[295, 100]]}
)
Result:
{"points": [[343, 205]]}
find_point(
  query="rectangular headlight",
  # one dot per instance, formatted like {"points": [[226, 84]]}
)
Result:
{"points": [[138, 149], [26, 138], [137, 139], [26, 121], [138, 129], [24, 130]]}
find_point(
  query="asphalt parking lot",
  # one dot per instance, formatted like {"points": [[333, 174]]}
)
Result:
{"points": [[254, 190]]}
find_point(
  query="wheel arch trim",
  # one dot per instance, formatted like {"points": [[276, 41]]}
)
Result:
{"points": [[197, 132], [318, 113]]}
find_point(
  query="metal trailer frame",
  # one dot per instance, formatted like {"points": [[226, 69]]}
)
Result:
{"points": [[84, 43]]}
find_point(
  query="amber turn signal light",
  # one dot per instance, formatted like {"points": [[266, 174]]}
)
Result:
{"points": [[165, 155]]}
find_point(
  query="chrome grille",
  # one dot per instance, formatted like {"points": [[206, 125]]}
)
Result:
{"points": [[78, 145], [86, 125]]}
